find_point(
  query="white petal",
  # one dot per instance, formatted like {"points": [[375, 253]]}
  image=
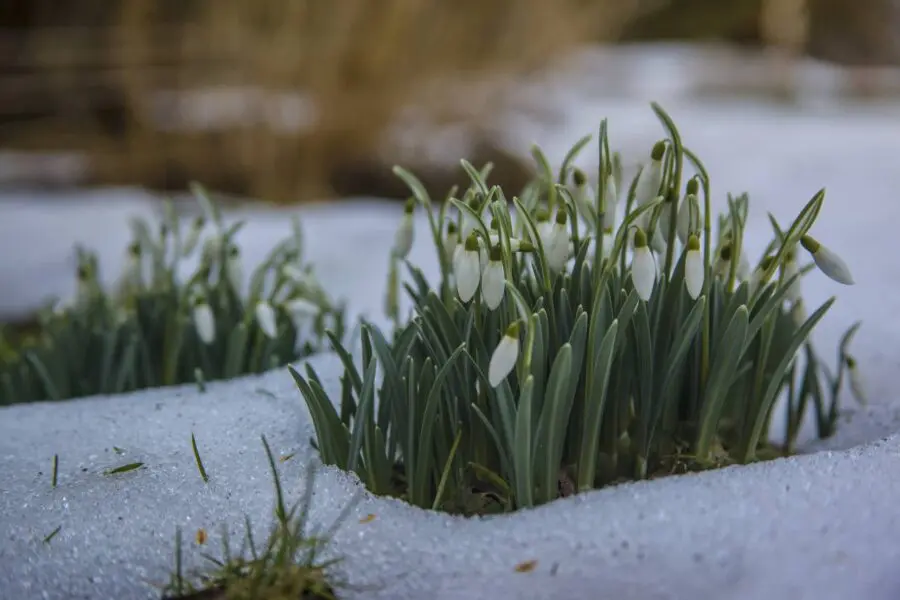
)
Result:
{"points": [[648, 183], [743, 268], [693, 273], [301, 307], [798, 313], [403, 239], [205, 323], [557, 248], [468, 273], [503, 360], [833, 266], [793, 293], [643, 272], [451, 243], [265, 316], [688, 217], [493, 284]]}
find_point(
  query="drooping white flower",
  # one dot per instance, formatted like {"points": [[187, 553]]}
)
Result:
{"points": [[451, 241], [643, 266], [204, 321], [790, 269], [584, 197], [467, 268], [857, 388], [193, 236], [650, 178], [743, 267], [403, 239], [828, 262], [556, 243], [265, 317], [503, 360], [234, 271], [689, 213], [798, 312], [722, 266], [301, 307], [493, 280], [694, 270]]}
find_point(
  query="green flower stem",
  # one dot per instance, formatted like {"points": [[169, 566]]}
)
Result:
{"points": [[674, 184], [707, 262]]}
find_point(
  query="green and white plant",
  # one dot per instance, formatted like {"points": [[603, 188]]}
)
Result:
{"points": [[160, 328], [562, 351]]}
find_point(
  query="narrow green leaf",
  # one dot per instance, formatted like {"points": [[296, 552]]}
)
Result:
{"points": [[594, 404], [522, 455]]}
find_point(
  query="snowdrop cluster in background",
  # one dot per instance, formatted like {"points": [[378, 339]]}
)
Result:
{"points": [[159, 326], [581, 334]]}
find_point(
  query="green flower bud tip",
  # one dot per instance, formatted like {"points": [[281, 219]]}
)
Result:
{"points": [[693, 186], [812, 246], [451, 228], [199, 222], [693, 242], [766, 262], [234, 252], [496, 255], [472, 243], [513, 330], [851, 362], [562, 217], [578, 177], [134, 249], [410, 206], [495, 225], [82, 273], [526, 246], [725, 252], [659, 150], [640, 238], [542, 215]]}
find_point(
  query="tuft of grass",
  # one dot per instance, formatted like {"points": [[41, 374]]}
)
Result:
{"points": [[198, 460], [287, 566], [164, 326], [579, 337]]}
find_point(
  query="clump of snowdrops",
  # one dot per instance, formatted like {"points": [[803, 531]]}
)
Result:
{"points": [[580, 336], [166, 323]]}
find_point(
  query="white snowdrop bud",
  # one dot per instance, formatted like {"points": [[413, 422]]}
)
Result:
{"points": [[204, 321], [650, 178], [789, 270], [798, 313], [584, 196], [643, 266], [265, 317], [693, 267], [403, 240], [493, 280], [556, 244], [467, 267], [828, 262], [722, 266], [857, 388], [689, 212], [451, 241], [759, 278], [503, 360], [193, 236], [234, 271]]}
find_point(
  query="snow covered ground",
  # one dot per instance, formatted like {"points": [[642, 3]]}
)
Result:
{"points": [[823, 526]]}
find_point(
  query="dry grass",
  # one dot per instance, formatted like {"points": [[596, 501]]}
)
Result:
{"points": [[358, 61]]}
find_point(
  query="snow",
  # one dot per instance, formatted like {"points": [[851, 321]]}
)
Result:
{"points": [[823, 525]]}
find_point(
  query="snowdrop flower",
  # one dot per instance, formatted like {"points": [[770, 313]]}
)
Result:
{"points": [[211, 247], [556, 242], [789, 270], [204, 321], [403, 240], [760, 278], [301, 307], [643, 266], [193, 236], [689, 212], [828, 262], [233, 269], [451, 241], [467, 267], [493, 280], [856, 384], [503, 360], [651, 175], [694, 267], [611, 202], [722, 266], [743, 268], [584, 196], [131, 275], [265, 317], [469, 223]]}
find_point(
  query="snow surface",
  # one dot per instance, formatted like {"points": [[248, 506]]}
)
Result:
{"points": [[820, 526]]}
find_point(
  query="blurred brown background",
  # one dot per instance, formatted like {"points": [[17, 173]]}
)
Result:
{"points": [[289, 100]]}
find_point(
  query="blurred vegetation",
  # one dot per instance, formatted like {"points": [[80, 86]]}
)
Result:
{"points": [[300, 92]]}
